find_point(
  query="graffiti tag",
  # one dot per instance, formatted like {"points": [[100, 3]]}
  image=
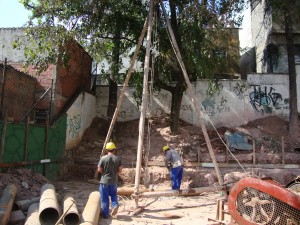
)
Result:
{"points": [[74, 126], [263, 100]]}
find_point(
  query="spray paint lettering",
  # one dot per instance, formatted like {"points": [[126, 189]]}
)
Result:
{"points": [[74, 125], [209, 107], [263, 100]]}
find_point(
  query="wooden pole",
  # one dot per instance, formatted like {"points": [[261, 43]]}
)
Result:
{"points": [[137, 50], [192, 95], [254, 152], [143, 107], [183, 192], [283, 151]]}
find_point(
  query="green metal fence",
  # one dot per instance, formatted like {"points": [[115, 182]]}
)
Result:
{"points": [[40, 148]]}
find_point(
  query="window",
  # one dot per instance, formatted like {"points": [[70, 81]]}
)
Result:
{"points": [[272, 58]]}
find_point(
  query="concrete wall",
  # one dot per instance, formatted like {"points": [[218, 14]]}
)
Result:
{"points": [[237, 103], [79, 117], [261, 27], [7, 36]]}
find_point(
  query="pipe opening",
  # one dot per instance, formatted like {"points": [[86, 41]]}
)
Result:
{"points": [[49, 216], [71, 219]]}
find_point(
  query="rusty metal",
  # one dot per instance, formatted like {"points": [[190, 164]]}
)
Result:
{"points": [[33, 215], [49, 209], [91, 212], [254, 201], [294, 185], [6, 202]]}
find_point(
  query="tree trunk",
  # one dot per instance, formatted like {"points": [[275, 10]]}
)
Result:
{"points": [[293, 118], [175, 109], [113, 85], [177, 92]]}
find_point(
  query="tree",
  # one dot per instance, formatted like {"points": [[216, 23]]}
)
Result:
{"points": [[106, 29], [288, 11], [201, 31]]}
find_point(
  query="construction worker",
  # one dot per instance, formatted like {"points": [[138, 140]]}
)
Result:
{"points": [[174, 163], [110, 167]]}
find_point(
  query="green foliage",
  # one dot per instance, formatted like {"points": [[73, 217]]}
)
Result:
{"points": [[91, 23], [202, 34], [214, 88]]}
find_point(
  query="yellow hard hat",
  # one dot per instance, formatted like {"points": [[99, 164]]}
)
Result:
{"points": [[110, 146], [165, 148]]}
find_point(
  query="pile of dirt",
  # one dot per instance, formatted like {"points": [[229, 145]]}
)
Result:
{"points": [[28, 183], [269, 134]]}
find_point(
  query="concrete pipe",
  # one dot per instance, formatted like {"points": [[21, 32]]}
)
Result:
{"points": [[91, 212], [6, 202], [49, 208], [33, 215], [71, 215], [25, 204]]}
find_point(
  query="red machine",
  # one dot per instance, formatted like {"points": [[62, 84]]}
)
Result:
{"points": [[263, 201]]}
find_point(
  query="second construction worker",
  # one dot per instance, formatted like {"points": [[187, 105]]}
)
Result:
{"points": [[174, 163], [110, 167]]}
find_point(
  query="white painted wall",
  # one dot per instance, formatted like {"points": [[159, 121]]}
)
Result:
{"points": [[7, 36], [238, 102], [80, 117]]}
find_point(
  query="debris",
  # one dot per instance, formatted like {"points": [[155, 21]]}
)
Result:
{"points": [[237, 140]]}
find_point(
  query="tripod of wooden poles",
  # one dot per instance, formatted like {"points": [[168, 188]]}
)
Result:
{"points": [[148, 26]]}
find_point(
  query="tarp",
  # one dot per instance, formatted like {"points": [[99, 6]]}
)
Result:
{"points": [[237, 141]]}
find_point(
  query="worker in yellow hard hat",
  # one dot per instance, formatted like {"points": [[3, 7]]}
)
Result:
{"points": [[174, 163], [110, 166]]}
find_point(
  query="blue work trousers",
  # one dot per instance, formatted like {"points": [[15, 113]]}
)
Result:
{"points": [[106, 191], [176, 177]]}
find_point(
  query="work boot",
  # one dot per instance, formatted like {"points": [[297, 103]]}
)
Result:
{"points": [[114, 211]]}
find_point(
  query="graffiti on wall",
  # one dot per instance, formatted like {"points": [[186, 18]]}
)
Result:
{"points": [[212, 108], [240, 90], [265, 99], [74, 125]]}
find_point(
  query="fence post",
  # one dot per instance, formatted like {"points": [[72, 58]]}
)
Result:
{"points": [[3, 86], [3, 136], [26, 139], [46, 146]]}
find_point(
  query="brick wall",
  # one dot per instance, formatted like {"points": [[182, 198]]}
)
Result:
{"points": [[19, 89]]}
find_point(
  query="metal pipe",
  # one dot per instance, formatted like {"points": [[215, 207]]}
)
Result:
{"points": [[33, 215], [91, 212], [49, 208], [184, 192], [71, 216], [6, 202]]}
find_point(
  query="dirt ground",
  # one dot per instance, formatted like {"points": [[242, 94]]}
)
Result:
{"points": [[269, 134]]}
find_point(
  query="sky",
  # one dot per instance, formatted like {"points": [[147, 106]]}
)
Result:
{"points": [[12, 13]]}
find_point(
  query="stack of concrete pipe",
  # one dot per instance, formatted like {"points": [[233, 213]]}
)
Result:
{"points": [[45, 209]]}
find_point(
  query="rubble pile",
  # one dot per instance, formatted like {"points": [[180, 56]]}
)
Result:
{"points": [[28, 182]]}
